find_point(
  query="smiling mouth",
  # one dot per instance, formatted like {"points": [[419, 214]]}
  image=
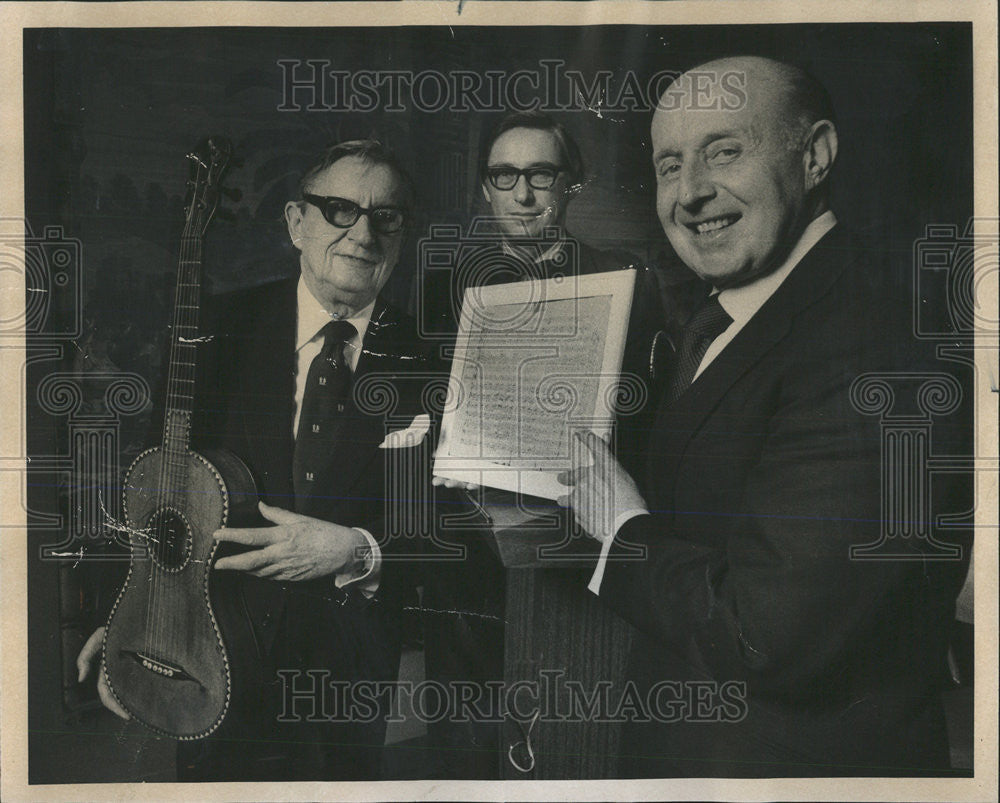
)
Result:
{"points": [[713, 225], [356, 258]]}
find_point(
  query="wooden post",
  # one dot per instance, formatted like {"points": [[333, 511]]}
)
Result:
{"points": [[564, 652]]}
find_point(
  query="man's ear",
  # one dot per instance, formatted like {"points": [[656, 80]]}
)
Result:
{"points": [[486, 194], [820, 152], [293, 219]]}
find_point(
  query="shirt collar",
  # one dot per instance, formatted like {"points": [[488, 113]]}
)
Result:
{"points": [[743, 302], [312, 317]]}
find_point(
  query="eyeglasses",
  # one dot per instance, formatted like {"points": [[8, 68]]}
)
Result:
{"points": [[505, 177], [343, 213]]}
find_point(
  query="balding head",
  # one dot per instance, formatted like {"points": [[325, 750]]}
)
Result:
{"points": [[742, 149], [730, 83]]}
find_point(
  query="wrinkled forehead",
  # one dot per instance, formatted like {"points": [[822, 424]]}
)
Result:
{"points": [[677, 130], [717, 101], [360, 180]]}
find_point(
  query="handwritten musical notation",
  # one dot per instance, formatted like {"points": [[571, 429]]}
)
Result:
{"points": [[525, 387], [535, 361]]}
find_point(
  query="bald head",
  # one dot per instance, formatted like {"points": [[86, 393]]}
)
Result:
{"points": [[798, 99], [742, 149]]}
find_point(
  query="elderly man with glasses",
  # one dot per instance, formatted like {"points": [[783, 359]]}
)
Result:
{"points": [[312, 596]]}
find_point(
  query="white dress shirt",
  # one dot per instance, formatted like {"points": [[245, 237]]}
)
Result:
{"points": [[741, 303], [311, 319]]}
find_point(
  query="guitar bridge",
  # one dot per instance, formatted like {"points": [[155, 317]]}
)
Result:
{"points": [[160, 666]]}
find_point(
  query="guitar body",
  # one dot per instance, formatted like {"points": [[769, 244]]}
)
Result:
{"points": [[165, 658]]}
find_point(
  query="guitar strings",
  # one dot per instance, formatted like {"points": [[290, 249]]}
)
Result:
{"points": [[183, 344], [163, 627]]}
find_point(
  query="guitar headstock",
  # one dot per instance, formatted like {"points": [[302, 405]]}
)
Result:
{"points": [[208, 163]]}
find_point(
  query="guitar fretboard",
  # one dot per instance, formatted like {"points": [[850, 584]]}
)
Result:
{"points": [[206, 172], [184, 339]]}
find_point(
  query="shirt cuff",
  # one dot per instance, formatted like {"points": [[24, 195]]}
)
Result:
{"points": [[594, 586], [365, 578]]}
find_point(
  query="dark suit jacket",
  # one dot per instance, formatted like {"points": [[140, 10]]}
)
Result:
{"points": [[245, 404], [759, 479]]}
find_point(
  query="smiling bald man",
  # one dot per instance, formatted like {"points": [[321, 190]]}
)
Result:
{"points": [[775, 640]]}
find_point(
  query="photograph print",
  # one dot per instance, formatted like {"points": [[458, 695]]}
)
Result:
{"points": [[504, 398]]}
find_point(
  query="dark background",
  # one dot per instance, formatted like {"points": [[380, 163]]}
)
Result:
{"points": [[110, 114]]}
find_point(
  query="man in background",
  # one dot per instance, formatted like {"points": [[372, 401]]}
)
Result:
{"points": [[530, 170]]}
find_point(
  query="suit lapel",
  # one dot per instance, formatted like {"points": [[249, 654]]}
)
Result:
{"points": [[677, 423], [261, 335], [266, 388]]}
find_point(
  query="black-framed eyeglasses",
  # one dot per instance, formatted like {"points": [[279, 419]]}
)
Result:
{"points": [[343, 213], [505, 177]]}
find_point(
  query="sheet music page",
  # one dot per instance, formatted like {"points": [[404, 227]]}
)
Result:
{"points": [[535, 361], [529, 393]]}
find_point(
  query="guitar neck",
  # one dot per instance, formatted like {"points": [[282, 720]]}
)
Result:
{"points": [[207, 164], [184, 339]]}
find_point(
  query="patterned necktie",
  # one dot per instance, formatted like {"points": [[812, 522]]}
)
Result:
{"points": [[324, 406], [708, 322]]}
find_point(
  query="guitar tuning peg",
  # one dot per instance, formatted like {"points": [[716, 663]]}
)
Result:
{"points": [[232, 193]]}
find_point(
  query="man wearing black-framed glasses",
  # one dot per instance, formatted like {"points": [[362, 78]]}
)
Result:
{"points": [[315, 598], [321, 336], [348, 230], [530, 168], [331, 332]]}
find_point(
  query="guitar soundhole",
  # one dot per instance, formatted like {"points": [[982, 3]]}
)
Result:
{"points": [[170, 538]]}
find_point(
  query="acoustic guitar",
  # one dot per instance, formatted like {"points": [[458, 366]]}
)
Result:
{"points": [[165, 659]]}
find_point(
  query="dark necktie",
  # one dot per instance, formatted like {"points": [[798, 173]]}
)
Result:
{"points": [[708, 322], [324, 409]]}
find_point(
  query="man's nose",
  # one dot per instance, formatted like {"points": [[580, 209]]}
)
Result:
{"points": [[362, 232], [694, 185], [523, 193]]}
